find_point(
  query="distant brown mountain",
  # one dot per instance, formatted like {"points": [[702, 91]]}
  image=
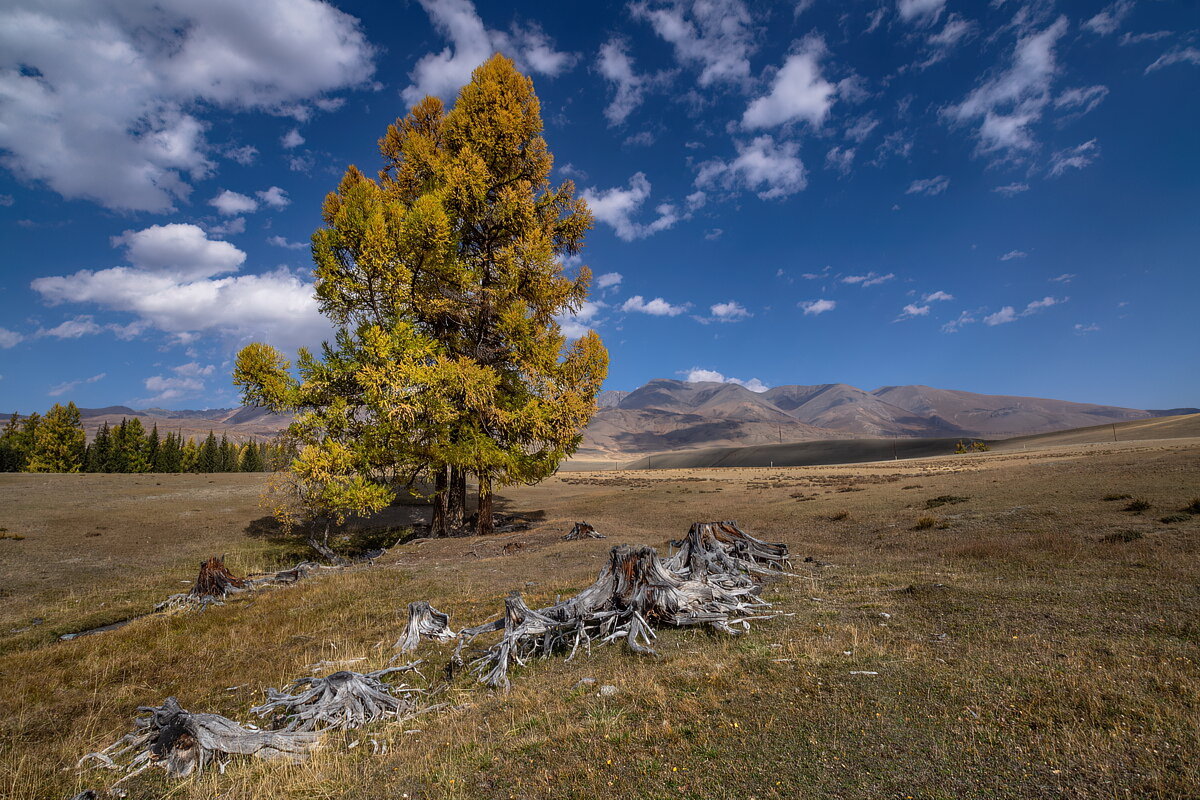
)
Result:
{"points": [[675, 415], [672, 415]]}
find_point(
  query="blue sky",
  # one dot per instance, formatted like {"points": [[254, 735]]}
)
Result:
{"points": [[1000, 197]]}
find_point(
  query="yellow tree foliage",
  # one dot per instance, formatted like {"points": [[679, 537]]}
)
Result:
{"points": [[444, 277]]}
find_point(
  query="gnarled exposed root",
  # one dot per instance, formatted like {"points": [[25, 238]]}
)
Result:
{"points": [[712, 548], [182, 742], [424, 622], [215, 582], [342, 700], [711, 581]]}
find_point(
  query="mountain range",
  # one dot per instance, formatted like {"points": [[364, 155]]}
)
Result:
{"points": [[667, 415]]}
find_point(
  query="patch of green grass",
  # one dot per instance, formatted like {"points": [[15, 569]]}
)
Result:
{"points": [[1137, 506], [945, 500]]}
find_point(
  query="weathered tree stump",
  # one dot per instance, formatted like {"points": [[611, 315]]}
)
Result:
{"points": [[424, 621], [723, 547], [342, 700], [215, 580], [582, 530], [635, 590], [182, 742]]}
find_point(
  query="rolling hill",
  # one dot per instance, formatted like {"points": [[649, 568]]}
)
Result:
{"points": [[671, 415]]}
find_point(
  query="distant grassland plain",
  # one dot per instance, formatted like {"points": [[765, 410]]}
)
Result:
{"points": [[978, 626]]}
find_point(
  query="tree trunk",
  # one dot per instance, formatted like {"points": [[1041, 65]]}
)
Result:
{"points": [[457, 511], [487, 524], [323, 549], [440, 525]]}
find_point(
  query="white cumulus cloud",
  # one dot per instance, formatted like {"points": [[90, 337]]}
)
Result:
{"points": [[1009, 103], [715, 36], [815, 307], [101, 99], [799, 92], [442, 74], [177, 282], [698, 375], [655, 308], [771, 169], [232, 203], [618, 206]]}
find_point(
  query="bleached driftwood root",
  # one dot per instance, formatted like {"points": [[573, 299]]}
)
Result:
{"points": [[424, 622], [182, 742], [582, 530], [722, 547], [713, 580], [342, 700], [215, 582]]}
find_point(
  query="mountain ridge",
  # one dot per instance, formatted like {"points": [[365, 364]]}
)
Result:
{"points": [[666, 414]]}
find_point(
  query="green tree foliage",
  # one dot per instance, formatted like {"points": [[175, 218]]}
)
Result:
{"points": [[152, 447], [58, 442], [99, 452], [130, 447], [444, 278], [210, 455], [169, 457], [12, 455], [251, 458]]}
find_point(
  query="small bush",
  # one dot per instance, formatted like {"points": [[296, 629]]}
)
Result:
{"points": [[924, 523], [945, 500], [1137, 506], [14, 536], [1169, 518], [980, 447], [1192, 507], [839, 516], [1108, 498], [912, 486], [1122, 536]]}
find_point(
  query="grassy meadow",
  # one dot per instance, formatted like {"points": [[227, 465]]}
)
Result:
{"points": [[981, 626]]}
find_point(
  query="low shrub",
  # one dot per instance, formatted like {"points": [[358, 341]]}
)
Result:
{"points": [[1137, 506], [924, 523], [1108, 498], [1122, 536], [945, 500], [1169, 518]]}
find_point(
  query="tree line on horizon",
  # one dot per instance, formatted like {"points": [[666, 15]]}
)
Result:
{"points": [[57, 442]]}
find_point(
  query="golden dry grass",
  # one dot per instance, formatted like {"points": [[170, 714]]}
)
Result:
{"points": [[1023, 647]]}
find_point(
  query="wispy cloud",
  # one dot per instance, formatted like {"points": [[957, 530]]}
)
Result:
{"points": [[70, 386], [870, 279], [929, 186]]}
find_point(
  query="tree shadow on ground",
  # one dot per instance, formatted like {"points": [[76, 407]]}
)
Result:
{"points": [[358, 537]]}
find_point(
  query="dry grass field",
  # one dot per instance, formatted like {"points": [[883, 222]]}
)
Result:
{"points": [[983, 626]]}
